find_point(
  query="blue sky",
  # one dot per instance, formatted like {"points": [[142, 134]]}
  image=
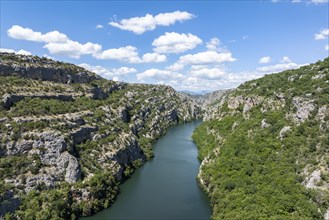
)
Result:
{"points": [[190, 45]]}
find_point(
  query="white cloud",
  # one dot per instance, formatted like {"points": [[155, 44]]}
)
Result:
{"points": [[153, 58], [202, 58], [108, 74], [56, 42], [73, 49], [139, 25], [99, 26], [213, 44], [245, 37], [158, 74], [319, 1], [60, 44], [176, 66], [116, 79], [130, 54], [175, 42], [22, 52], [326, 47], [278, 67], [208, 57], [207, 73], [210, 79], [20, 33], [286, 59], [102, 71], [322, 35], [265, 60], [123, 71]]}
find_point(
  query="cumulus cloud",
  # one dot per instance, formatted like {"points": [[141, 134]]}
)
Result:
{"points": [[22, 52], [278, 67], [202, 58], [198, 78], [286, 59], [319, 1], [124, 71], [107, 73], [73, 49], [322, 35], [208, 57], [21, 33], [56, 42], [213, 44], [158, 74], [99, 26], [265, 60], [153, 58], [60, 44], [326, 47], [175, 43], [130, 54], [139, 25], [207, 73], [102, 71]]}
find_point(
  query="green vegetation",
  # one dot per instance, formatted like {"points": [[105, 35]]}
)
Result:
{"points": [[124, 119], [252, 172]]}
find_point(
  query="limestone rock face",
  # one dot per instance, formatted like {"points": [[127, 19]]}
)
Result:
{"points": [[304, 108], [44, 69], [82, 134], [234, 103], [283, 132], [69, 165]]}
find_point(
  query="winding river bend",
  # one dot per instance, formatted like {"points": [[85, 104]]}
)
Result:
{"points": [[164, 187]]}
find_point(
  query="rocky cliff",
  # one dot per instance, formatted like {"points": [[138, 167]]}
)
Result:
{"points": [[69, 137], [265, 147]]}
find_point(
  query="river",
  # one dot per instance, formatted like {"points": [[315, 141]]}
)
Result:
{"points": [[164, 187]]}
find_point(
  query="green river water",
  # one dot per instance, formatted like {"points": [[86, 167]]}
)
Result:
{"points": [[164, 187]]}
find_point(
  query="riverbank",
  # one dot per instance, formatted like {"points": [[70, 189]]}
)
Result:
{"points": [[165, 187]]}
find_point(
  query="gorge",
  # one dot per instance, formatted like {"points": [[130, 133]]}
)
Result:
{"points": [[75, 137]]}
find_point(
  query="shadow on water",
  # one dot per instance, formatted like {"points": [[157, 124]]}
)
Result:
{"points": [[164, 187]]}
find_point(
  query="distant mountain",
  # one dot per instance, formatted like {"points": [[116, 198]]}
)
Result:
{"points": [[200, 92]]}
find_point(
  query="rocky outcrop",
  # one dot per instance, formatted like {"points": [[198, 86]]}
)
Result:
{"points": [[32, 67], [313, 179], [69, 165], [82, 134], [304, 108], [98, 93], [51, 148]]}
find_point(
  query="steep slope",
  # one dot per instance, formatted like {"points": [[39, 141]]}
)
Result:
{"points": [[265, 148], [69, 137]]}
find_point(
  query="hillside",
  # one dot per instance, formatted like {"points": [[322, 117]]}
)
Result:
{"points": [[265, 147], [69, 137]]}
